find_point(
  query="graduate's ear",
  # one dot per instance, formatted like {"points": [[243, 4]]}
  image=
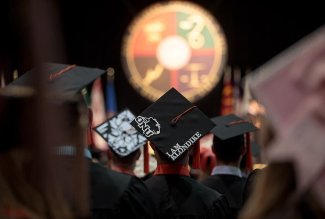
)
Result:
{"points": [[109, 154], [244, 149], [138, 154], [214, 150], [153, 146]]}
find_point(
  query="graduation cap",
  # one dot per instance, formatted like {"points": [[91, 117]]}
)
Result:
{"points": [[173, 124], [121, 137], [67, 80], [230, 126]]}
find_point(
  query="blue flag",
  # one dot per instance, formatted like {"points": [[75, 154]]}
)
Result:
{"points": [[111, 106]]}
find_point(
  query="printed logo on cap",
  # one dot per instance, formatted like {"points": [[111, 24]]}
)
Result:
{"points": [[149, 126]]}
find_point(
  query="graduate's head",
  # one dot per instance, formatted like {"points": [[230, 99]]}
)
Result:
{"points": [[229, 138], [52, 126], [128, 161], [74, 120], [62, 82], [18, 116], [16, 112], [229, 150], [163, 159], [181, 125]]}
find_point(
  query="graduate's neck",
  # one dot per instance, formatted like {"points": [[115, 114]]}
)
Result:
{"points": [[122, 168], [221, 163], [178, 167], [183, 162], [124, 164], [171, 168]]}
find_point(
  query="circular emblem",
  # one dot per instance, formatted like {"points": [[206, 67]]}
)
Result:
{"points": [[174, 44]]}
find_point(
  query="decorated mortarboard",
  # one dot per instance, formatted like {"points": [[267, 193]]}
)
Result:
{"points": [[173, 124], [230, 126], [64, 79], [121, 137]]}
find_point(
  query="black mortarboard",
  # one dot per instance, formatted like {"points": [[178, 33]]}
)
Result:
{"points": [[230, 126], [121, 137], [173, 124], [64, 79]]}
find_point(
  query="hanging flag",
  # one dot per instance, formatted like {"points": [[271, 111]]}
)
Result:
{"points": [[237, 96], [90, 139], [247, 96], [99, 115], [111, 106], [3, 82], [227, 101]]}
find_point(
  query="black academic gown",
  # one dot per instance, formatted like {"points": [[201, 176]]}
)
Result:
{"points": [[178, 196], [117, 195], [231, 186]]}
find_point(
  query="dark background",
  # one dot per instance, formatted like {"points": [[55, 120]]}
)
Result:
{"points": [[90, 34]]}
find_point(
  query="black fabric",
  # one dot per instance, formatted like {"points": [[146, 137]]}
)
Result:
{"points": [[117, 195], [231, 186], [147, 176], [250, 184], [230, 126], [60, 78], [182, 197]]}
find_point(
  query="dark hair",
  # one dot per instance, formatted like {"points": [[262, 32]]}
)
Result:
{"points": [[16, 120], [130, 159], [163, 157], [229, 150]]}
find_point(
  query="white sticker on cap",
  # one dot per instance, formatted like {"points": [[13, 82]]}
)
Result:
{"points": [[149, 126]]}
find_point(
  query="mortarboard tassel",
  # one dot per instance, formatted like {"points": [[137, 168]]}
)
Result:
{"points": [[249, 159], [196, 152], [196, 156], [146, 158]]}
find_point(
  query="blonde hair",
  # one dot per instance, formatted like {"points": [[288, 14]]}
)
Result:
{"points": [[274, 188]]}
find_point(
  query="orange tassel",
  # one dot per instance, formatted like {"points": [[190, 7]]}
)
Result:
{"points": [[196, 156], [146, 158], [249, 159]]}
